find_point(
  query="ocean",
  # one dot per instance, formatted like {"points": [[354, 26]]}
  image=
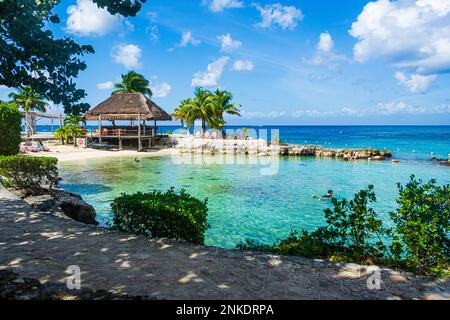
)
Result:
{"points": [[406, 142], [245, 204]]}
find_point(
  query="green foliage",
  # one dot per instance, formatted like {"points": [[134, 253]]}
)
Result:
{"points": [[207, 106], [10, 120], [70, 130], [352, 225], [31, 55], [31, 173], [161, 215], [304, 244], [74, 120], [423, 226], [133, 82], [420, 241], [29, 100]]}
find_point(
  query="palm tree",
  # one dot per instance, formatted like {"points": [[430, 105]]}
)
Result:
{"points": [[221, 104], [29, 100], [201, 107], [74, 120], [133, 82], [182, 113]]}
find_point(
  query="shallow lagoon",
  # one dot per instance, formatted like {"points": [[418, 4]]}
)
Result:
{"points": [[245, 204]]}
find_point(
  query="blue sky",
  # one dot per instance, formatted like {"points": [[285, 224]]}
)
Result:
{"points": [[287, 62]]}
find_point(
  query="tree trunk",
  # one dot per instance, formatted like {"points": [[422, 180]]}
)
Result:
{"points": [[203, 127]]}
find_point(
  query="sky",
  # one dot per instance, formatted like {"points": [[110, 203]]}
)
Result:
{"points": [[304, 62]]}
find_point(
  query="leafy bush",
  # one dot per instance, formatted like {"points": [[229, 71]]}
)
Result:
{"points": [[423, 227], [420, 241], [161, 215], [304, 244], [68, 133], [27, 172], [10, 120], [353, 225]]}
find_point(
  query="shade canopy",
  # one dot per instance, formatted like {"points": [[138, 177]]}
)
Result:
{"points": [[128, 106]]}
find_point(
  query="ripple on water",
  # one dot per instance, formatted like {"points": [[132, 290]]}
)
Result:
{"points": [[244, 204]]}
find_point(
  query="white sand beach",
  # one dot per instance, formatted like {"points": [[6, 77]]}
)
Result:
{"points": [[70, 153]]}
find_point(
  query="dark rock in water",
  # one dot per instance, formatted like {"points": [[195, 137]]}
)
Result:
{"points": [[76, 208], [442, 162], [44, 202]]}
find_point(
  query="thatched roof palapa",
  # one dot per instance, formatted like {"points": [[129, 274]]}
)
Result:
{"points": [[128, 106]]}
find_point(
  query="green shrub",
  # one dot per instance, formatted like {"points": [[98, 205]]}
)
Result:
{"points": [[31, 173], [10, 121], [422, 224], [420, 241], [161, 215], [304, 244], [349, 233], [354, 228]]}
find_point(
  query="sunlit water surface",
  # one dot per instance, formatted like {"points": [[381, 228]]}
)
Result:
{"points": [[243, 203]]}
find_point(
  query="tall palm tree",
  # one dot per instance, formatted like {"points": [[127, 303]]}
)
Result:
{"points": [[221, 104], [133, 82], [182, 113], [29, 100], [201, 107]]}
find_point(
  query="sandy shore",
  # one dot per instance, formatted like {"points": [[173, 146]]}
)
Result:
{"points": [[70, 153]]}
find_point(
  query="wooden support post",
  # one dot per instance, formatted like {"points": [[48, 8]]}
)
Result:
{"points": [[120, 140], [139, 133], [100, 128]]}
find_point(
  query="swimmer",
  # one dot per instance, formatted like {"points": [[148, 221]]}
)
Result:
{"points": [[325, 197]]}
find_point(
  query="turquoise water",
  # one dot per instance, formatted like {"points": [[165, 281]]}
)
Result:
{"points": [[244, 204]]}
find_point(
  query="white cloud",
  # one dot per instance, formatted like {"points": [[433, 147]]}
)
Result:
{"points": [[187, 38], [220, 5], [326, 42], [153, 32], [274, 14], [263, 115], [411, 34], [227, 43], [161, 90], [211, 76], [243, 65], [128, 55], [415, 83], [397, 108], [325, 54], [86, 19], [108, 85]]}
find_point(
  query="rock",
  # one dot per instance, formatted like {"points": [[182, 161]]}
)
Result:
{"points": [[77, 209], [44, 202]]}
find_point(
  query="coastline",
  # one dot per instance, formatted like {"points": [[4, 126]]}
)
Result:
{"points": [[66, 153]]}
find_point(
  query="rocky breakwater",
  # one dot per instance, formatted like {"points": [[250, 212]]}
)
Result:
{"points": [[60, 201], [262, 148], [340, 153]]}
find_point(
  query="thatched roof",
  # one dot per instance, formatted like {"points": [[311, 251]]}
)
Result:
{"points": [[127, 106]]}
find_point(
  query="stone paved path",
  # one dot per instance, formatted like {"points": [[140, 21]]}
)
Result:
{"points": [[42, 245]]}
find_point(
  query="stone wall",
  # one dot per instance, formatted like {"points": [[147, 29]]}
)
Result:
{"points": [[262, 148]]}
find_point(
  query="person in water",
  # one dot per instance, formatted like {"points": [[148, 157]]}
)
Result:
{"points": [[325, 197]]}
